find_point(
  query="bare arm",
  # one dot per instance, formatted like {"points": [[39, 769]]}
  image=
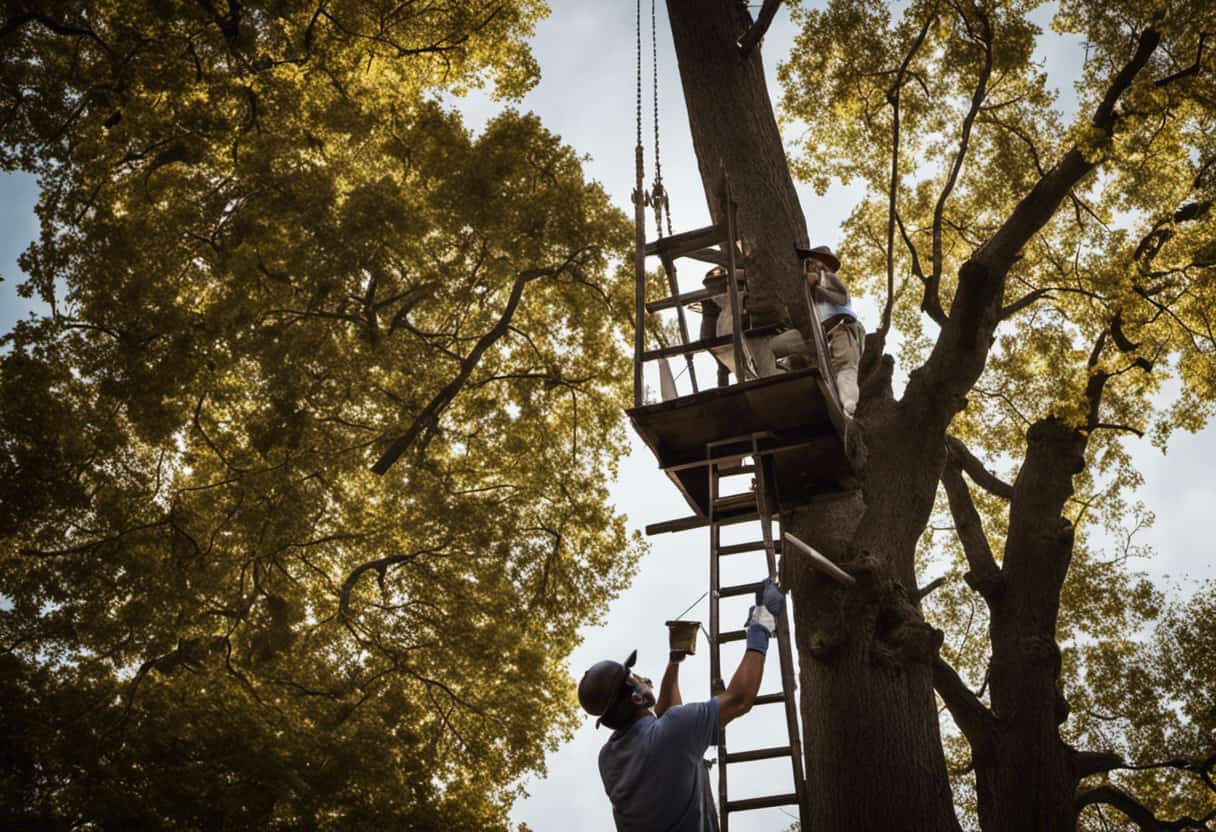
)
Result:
{"points": [[669, 689], [740, 694], [830, 288]]}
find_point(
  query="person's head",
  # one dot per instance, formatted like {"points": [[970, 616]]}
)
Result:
{"points": [[819, 258], [614, 693]]}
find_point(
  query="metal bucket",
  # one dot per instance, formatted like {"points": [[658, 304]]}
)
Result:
{"points": [[682, 635]]}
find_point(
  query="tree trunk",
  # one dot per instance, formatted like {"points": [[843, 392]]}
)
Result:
{"points": [[873, 751], [734, 132], [1030, 780]]}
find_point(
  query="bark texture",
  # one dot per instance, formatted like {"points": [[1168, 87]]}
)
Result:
{"points": [[734, 132]]}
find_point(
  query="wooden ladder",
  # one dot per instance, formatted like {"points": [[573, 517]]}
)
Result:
{"points": [[724, 459]]}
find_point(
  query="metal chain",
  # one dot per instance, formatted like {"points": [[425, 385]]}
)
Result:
{"points": [[638, 37], [658, 194], [640, 197]]}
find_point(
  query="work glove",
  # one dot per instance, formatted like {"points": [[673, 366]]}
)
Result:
{"points": [[761, 623]]}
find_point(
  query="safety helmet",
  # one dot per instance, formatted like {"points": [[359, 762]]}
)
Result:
{"points": [[602, 685]]}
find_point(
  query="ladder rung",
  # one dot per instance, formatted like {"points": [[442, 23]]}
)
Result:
{"points": [[734, 635], [753, 546], [679, 300], [770, 698], [678, 245], [762, 802], [732, 519], [736, 470], [731, 501], [739, 589], [680, 524], [684, 299], [759, 754], [681, 349], [743, 437]]}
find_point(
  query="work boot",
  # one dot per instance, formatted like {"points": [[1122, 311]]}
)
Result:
{"points": [[846, 386]]}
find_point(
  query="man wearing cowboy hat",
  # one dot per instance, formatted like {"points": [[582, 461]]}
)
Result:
{"points": [[653, 765], [842, 329]]}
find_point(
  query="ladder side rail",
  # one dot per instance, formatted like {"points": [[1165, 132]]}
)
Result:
{"points": [[715, 655], [827, 379], [673, 285], [736, 314], [784, 642]]}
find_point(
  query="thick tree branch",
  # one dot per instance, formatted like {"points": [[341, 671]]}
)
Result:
{"points": [[970, 714], [1193, 69], [1139, 814], [426, 422], [1096, 762], [753, 35], [984, 576], [961, 350], [975, 469], [1037, 207], [381, 567], [1101, 762]]}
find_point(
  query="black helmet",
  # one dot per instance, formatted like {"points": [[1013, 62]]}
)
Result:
{"points": [[602, 685]]}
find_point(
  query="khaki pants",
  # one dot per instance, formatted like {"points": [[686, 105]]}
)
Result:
{"points": [[844, 349]]}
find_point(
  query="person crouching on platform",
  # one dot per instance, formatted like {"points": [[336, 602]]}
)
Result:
{"points": [[842, 329], [653, 765]]}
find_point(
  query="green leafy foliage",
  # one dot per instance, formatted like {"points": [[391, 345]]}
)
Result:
{"points": [[269, 254]]}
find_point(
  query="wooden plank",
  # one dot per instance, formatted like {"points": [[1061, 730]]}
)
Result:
{"points": [[739, 589], [740, 548], [737, 635], [680, 300], [709, 255], [758, 754], [681, 524], [821, 563], [678, 245], [762, 802], [770, 698], [682, 349]]}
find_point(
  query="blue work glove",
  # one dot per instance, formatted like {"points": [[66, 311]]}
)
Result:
{"points": [[761, 623]]}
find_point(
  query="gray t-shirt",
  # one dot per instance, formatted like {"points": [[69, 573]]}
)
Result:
{"points": [[654, 771]]}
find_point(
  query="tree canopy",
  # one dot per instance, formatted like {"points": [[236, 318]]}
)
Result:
{"points": [[273, 258], [303, 475]]}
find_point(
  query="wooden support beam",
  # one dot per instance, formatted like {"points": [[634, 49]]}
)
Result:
{"points": [[821, 563], [679, 245]]}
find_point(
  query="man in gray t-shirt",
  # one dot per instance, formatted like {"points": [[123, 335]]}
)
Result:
{"points": [[653, 765]]}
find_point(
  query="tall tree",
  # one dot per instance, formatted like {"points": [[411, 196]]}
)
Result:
{"points": [[1047, 279], [270, 257]]}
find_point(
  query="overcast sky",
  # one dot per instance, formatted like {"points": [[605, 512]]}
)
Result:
{"points": [[586, 94]]}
